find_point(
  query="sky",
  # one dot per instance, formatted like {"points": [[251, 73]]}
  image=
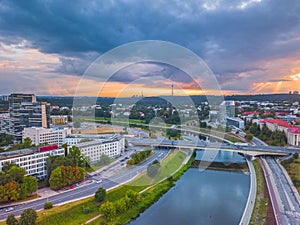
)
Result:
{"points": [[250, 46]]}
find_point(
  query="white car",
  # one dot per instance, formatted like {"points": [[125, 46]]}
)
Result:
{"points": [[9, 209], [98, 181]]}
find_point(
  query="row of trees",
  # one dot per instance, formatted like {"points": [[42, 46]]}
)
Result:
{"points": [[275, 138], [65, 175], [27, 143], [138, 157], [74, 158], [14, 185], [109, 210], [65, 170], [172, 133], [28, 217]]}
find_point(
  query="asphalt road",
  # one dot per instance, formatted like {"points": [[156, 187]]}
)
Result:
{"points": [[86, 190], [284, 196]]}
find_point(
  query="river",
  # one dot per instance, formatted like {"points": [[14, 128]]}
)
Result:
{"points": [[209, 197]]}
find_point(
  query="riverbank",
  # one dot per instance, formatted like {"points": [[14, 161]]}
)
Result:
{"points": [[221, 166], [83, 210], [150, 194]]}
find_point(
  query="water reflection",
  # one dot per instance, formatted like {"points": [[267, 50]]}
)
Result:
{"points": [[202, 198]]}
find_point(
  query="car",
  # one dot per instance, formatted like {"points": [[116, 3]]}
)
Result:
{"points": [[9, 209], [98, 181]]}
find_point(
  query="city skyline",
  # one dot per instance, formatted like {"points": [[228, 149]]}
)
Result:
{"points": [[251, 46]]}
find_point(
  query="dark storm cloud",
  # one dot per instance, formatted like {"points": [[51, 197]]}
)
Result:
{"points": [[231, 36]]}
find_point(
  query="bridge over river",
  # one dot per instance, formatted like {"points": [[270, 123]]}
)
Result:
{"points": [[248, 150]]}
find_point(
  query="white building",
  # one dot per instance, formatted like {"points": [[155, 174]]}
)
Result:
{"points": [[32, 160], [94, 149], [276, 125], [293, 136], [40, 135], [236, 122]]}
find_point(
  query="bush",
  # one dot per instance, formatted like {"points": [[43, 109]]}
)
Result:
{"points": [[100, 195], [48, 205]]}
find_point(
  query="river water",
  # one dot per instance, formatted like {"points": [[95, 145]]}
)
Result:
{"points": [[208, 197]]}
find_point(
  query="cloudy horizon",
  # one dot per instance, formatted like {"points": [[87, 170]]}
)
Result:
{"points": [[252, 46]]}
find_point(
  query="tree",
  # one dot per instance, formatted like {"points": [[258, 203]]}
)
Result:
{"points": [[153, 168], [56, 179], [104, 160], [31, 184], [76, 157], [12, 191], [11, 220], [108, 210], [27, 143], [48, 205], [28, 217], [16, 173], [121, 205], [100, 195], [249, 137], [133, 196]]}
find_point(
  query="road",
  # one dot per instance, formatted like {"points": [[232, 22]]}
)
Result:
{"points": [[249, 150], [284, 196], [252, 194], [87, 190]]}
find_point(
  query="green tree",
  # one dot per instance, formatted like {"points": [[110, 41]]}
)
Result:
{"points": [[121, 205], [249, 137], [28, 217], [104, 160], [27, 143], [11, 220], [108, 210], [12, 191], [133, 196], [48, 205], [76, 157], [100, 195], [31, 184], [153, 168], [56, 179], [16, 173]]}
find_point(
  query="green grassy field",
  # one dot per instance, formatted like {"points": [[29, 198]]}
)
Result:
{"points": [[259, 213], [168, 166], [81, 211]]}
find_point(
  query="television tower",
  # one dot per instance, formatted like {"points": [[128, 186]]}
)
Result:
{"points": [[172, 89]]}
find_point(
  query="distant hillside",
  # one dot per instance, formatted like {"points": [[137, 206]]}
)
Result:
{"points": [[161, 100], [265, 97]]}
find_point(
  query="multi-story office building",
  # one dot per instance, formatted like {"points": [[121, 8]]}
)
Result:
{"points": [[228, 109], [33, 160], [25, 111], [40, 135], [93, 149], [236, 122]]}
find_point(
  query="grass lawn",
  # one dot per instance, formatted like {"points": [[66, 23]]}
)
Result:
{"points": [[259, 213], [80, 211], [167, 167], [232, 139]]}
